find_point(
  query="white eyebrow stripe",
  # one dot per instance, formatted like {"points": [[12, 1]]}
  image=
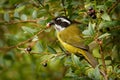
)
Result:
{"points": [[64, 20]]}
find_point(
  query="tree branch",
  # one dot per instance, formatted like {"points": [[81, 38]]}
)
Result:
{"points": [[22, 43], [113, 6], [103, 63], [104, 72], [20, 21]]}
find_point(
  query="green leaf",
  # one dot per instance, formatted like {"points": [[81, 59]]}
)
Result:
{"points": [[104, 35], [96, 53], [6, 16], [16, 15], [34, 14], [70, 73], [90, 31], [94, 74], [42, 22], [47, 57], [68, 61], [52, 50], [35, 38], [8, 57], [86, 32], [39, 47], [106, 17], [47, 7], [23, 17], [91, 28], [105, 24], [97, 73], [29, 30], [75, 60], [18, 9]]}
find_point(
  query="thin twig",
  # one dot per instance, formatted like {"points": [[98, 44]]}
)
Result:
{"points": [[113, 6], [104, 70], [103, 63], [63, 4], [22, 43], [20, 21], [42, 5]]}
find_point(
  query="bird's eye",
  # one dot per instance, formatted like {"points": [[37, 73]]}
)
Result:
{"points": [[58, 21], [64, 24]]}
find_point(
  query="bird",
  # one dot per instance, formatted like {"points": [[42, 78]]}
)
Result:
{"points": [[71, 38]]}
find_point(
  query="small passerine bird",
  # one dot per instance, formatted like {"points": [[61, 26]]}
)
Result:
{"points": [[71, 38]]}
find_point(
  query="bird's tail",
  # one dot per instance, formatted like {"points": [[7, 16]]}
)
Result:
{"points": [[89, 57]]}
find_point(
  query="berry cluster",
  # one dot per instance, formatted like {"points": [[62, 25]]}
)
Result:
{"points": [[91, 12]]}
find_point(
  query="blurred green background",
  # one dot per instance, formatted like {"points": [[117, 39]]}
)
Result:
{"points": [[29, 51]]}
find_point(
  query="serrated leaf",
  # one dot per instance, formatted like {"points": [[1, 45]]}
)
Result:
{"points": [[6, 16], [75, 60], [34, 14], [104, 35], [29, 30], [52, 50], [23, 17], [105, 16]]}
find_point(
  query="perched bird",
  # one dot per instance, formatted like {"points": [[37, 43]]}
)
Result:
{"points": [[71, 38]]}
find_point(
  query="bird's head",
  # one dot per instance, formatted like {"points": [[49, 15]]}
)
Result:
{"points": [[60, 23]]}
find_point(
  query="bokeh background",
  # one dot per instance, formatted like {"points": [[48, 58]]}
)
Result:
{"points": [[30, 51]]}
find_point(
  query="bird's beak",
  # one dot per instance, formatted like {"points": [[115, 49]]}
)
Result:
{"points": [[50, 24]]}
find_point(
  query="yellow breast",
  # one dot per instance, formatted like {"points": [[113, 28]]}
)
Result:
{"points": [[69, 47]]}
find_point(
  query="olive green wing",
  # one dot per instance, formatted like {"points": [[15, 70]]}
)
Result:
{"points": [[73, 36]]}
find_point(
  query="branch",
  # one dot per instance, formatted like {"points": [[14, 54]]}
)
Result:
{"points": [[45, 8], [113, 6], [16, 22], [103, 63], [62, 1], [103, 60], [22, 43], [13, 22]]}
